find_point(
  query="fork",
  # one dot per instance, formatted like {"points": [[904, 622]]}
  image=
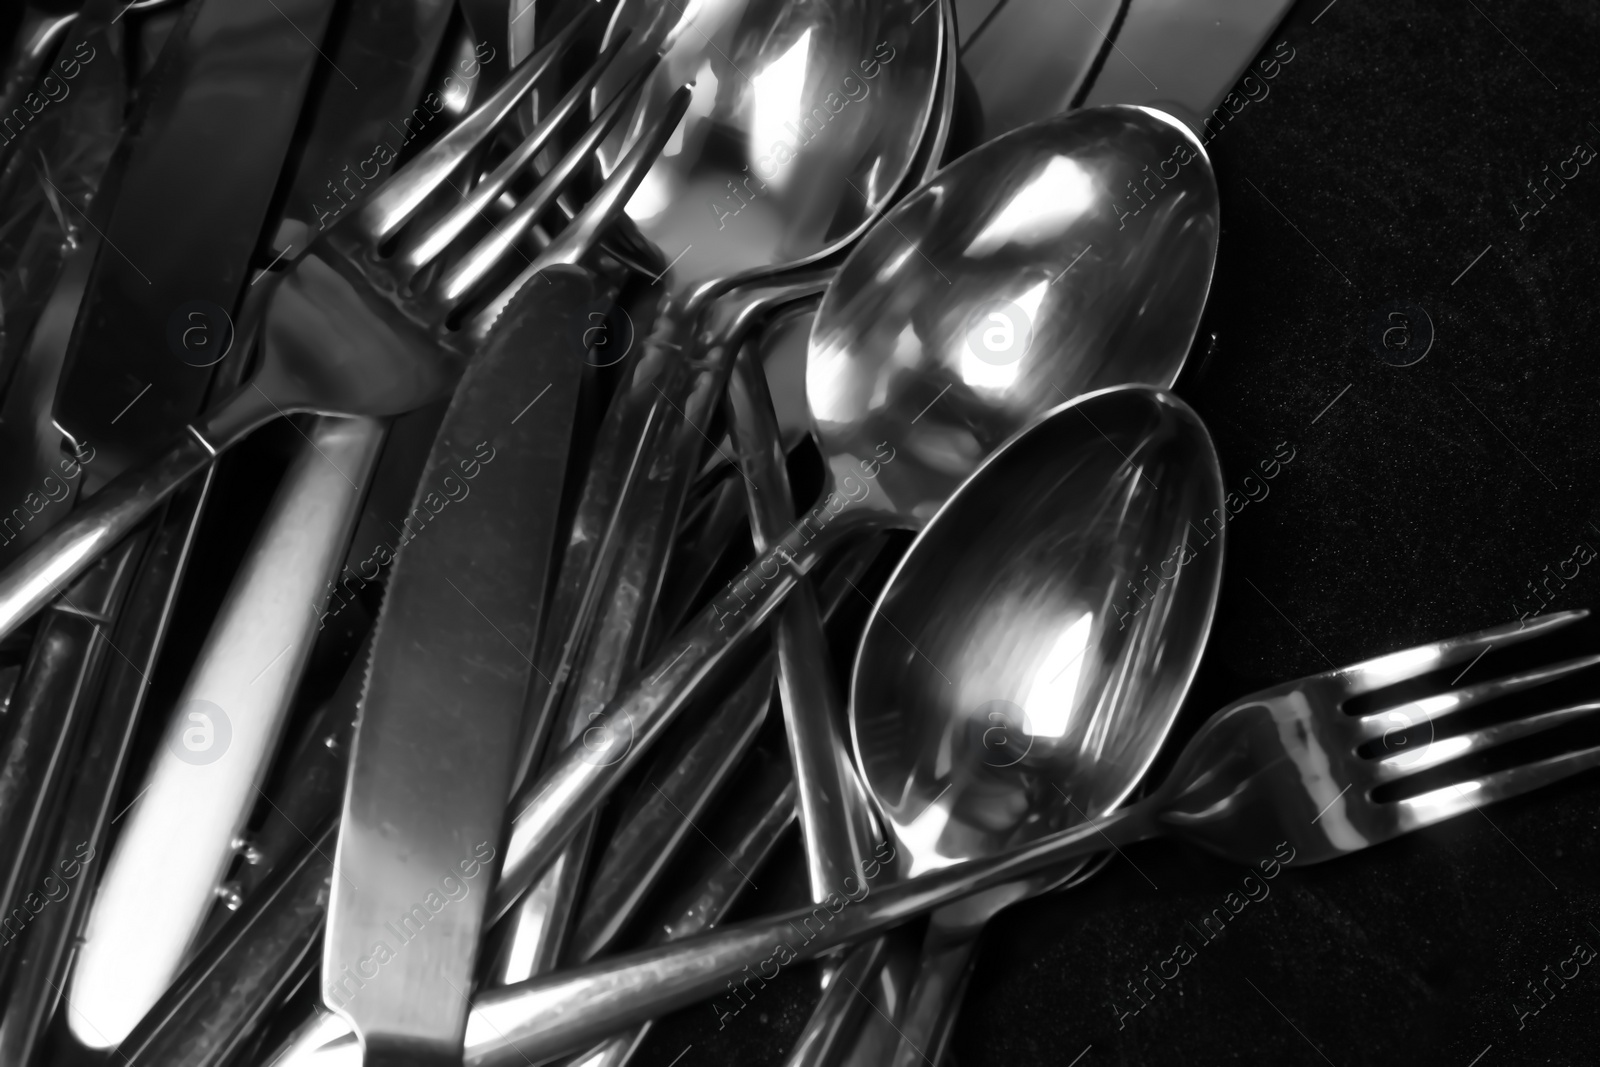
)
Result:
{"points": [[371, 319], [1282, 765]]}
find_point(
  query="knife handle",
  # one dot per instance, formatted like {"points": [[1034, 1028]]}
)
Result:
{"points": [[36, 576], [161, 880]]}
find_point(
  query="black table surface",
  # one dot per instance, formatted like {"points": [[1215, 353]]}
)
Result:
{"points": [[1388, 165]]}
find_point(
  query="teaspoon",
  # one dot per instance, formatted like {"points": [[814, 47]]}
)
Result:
{"points": [[1022, 275], [1046, 534]]}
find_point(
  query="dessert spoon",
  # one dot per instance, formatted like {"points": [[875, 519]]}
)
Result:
{"points": [[1018, 277]]}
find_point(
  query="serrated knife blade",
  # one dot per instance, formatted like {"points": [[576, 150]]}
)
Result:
{"points": [[440, 718]]}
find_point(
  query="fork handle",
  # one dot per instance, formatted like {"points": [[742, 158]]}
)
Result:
{"points": [[51, 563], [547, 1016]]}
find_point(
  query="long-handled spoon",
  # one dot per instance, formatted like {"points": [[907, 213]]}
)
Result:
{"points": [[1042, 538], [1000, 692], [787, 153], [1020, 275], [755, 66]]}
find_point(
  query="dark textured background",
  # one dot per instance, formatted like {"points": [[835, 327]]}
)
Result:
{"points": [[1419, 505], [1383, 161]]}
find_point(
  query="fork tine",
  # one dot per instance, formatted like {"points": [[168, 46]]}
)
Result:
{"points": [[579, 237], [1395, 667], [467, 272], [1413, 813], [1391, 720], [402, 194], [449, 228], [1421, 757]]}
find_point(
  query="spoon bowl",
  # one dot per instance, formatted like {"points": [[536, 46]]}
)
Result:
{"points": [[1030, 653], [1023, 274], [901, 420], [805, 119]]}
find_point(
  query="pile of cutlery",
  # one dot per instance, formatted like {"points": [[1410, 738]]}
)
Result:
{"points": [[452, 454]]}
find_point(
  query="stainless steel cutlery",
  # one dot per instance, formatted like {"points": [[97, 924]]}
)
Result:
{"points": [[690, 363]]}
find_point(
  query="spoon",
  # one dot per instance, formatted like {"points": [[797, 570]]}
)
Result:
{"points": [[1043, 538], [804, 121], [1001, 693], [1020, 276]]}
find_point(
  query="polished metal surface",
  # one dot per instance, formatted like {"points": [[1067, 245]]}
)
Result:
{"points": [[158, 887], [1186, 56], [339, 336], [1001, 692], [815, 112], [1026, 60], [904, 408], [441, 713], [1276, 751], [1070, 255], [1061, 498], [836, 817], [805, 118]]}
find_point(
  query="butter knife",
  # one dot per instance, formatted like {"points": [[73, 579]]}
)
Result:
{"points": [[441, 714]]}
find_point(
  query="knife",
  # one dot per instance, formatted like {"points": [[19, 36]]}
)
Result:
{"points": [[1029, 59], [67, 158], [158, 886], [441, 713], [91, 808], [224, 100]]}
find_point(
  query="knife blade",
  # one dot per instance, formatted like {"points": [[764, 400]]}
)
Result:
{"points": [[1030, 59], [68, 157], [441, 713], [201, 173]]}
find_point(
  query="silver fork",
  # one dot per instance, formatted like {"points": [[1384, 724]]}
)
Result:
{"points": [[1282, 765], [349, 330]]}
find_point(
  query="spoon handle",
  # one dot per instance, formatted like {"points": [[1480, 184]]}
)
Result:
{"points": [[835, 815], [578, 778], [550, 1015]]}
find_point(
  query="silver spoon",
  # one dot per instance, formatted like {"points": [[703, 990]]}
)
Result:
{"points": [[1002, 286], [1002, 691], [804, 121], [1043, 538]]}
